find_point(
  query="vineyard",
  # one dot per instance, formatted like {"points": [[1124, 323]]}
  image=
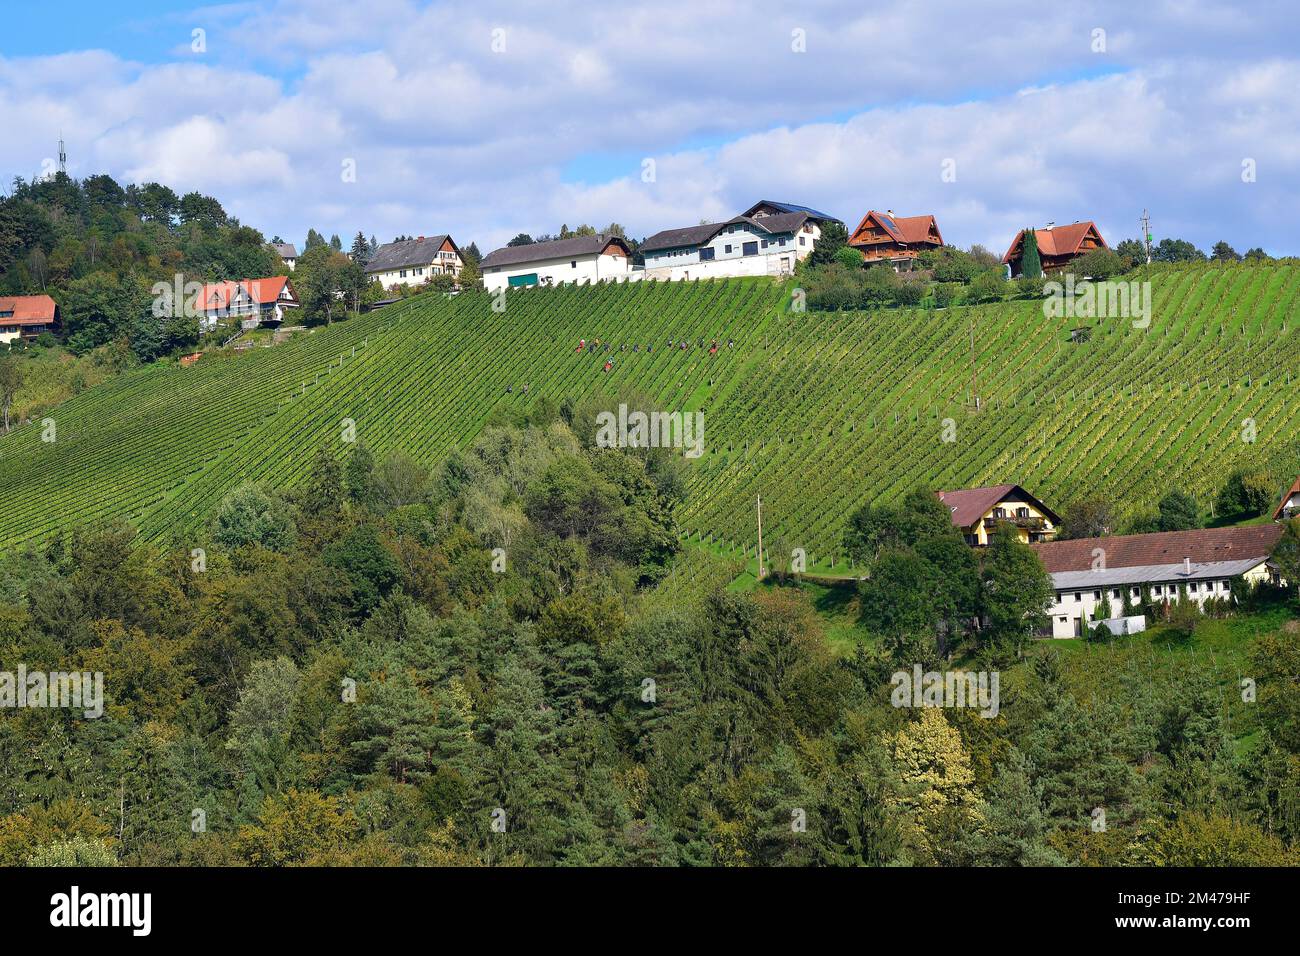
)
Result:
{"points": [[817, 412]]}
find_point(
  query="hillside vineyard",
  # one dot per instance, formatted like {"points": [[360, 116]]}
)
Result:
{"points": [[817, 412]]}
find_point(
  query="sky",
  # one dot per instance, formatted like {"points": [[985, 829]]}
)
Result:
{"points": [[486, 119]]}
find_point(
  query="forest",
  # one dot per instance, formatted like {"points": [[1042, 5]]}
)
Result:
{"points": [[497, 662]]}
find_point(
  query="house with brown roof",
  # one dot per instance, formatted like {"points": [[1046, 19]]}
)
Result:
{"points": [[768, 239], [26, 316], [578, 259], [976, 512], [1167, 566], [414, 261], [252, 301], [1058, 246], [1289, 506], [884, 237]]}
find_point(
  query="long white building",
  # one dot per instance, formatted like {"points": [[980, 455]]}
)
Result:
{"points": [[767, 239], [582, 259], [1189, 565]]}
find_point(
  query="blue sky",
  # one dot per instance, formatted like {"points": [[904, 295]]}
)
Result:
{"points": [[487, 119]]}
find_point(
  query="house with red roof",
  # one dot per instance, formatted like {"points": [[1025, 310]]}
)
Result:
{"points": [[1058, 246], [252, 301], [26, 316], [884, 237], [1289, 506], [976, 512], [1090, 574]]}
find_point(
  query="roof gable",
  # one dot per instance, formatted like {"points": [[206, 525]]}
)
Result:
{"points": [[968, 506], [408, 253], [1293, 490], [908, 230], [1057, 241], [771, 207]]}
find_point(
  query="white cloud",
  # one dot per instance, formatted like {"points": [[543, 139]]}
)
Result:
{"points": [[448, 135]]}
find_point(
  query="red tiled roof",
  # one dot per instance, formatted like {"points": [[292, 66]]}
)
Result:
{"points": [[906, 229], [1293, 490], [1057, 241], [969, 505], [1165, 547], [216, 295], [27, 309]]}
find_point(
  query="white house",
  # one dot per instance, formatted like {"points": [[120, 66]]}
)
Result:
{"points": [[576, 259], [287, 253], [1290, 505], [252, 301], [26, 316], [767, 239], [1191, 565], [414, 261]]}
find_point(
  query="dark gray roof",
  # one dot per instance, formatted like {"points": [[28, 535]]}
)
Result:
{"points": [[790, 207], [782, 222], [690, 236], [410, 252], [682, 238], [555, 249], [285, 249]]}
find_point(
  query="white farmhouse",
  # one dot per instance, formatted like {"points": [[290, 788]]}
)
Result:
{"points": [[1167, 566], [287, 253], [768, 239], [414, 261], [576, 259]]}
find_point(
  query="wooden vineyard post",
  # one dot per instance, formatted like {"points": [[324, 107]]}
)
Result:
{"points": [[760, 537]]}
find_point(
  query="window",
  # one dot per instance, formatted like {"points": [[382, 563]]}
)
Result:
{"points": [[1157, 590], [764, 243], [1096, 595], [750, 248], [781, 242], [1078, 596], [727, 248], [1192, 587], [802, 241], [402, 274], [707, 253], [1114, 592], [573, 264]]}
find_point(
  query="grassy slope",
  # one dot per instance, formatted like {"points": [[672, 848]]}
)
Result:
{"points": [[818, 413]]}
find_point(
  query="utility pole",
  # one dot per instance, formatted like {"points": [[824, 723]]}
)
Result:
{"points": [[760, 537], [1145, 222]]}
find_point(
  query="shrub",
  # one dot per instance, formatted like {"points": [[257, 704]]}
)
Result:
{"points": [[849, 257], [945, 293], [1097, 264], [250, 515]]}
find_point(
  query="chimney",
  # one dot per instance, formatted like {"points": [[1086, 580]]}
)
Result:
{"points": [[889, 213], [1187, 566], [421, 239]]}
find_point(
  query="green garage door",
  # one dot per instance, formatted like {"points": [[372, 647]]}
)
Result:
{"points": [[530, 279]]}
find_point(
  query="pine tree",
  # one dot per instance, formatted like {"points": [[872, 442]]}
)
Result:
{"points": [[1031, 265], [360, 250]]}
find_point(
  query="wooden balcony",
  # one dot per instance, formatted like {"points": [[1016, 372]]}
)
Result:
{"points": [[1029, 522]]}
